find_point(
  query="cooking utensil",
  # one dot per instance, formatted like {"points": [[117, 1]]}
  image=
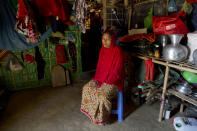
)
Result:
{"points": [[175, 51], [184, 88]]}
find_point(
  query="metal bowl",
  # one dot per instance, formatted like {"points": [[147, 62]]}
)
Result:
{"points": [[184, 88]]}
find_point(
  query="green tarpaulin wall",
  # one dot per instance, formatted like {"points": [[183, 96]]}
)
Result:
{"points": [[27, 78]]}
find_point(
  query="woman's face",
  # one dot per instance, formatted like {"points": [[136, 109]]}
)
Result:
{"points": [[106, 40]]}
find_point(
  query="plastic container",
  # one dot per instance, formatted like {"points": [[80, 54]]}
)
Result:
{"points": [[192, 38], [185, 124], [189, 76], [195, 57]]}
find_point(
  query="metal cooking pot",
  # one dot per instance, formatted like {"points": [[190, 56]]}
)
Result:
{"points": [[184, 88], [175, 51]]}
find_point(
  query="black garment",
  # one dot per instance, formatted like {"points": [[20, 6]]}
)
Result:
{"points": [[72, 52], [57, 25], [40, 63]]}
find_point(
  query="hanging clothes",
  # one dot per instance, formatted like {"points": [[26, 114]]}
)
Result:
{"points": [[25, 23], [72, 52], [10, 39], [40, 63], [56, 8], [80, 7], [149, 70]]}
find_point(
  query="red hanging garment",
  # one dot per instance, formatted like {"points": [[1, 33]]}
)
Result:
{"points": [[29, 58], [25, 23], [60, 54], [149, 65], [56, 8], [110, 67], [22, 10]]}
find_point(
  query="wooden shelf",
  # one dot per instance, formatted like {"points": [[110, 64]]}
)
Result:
{"points": [[181, 65], [182, 96]]}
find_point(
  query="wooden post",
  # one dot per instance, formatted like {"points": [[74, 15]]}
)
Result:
{"points": [[125, 3], [105, 14], [181, 107], [130, 14], [167, 2], [163, 93]]}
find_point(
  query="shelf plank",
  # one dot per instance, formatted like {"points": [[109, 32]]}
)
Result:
{"points": [[182, 96], [183, 66]]}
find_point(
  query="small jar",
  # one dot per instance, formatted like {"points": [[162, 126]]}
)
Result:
{"points": [[157, 52]]}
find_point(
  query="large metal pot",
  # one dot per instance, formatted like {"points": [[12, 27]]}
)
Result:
{"points": [[175, 51], [184, 88]]}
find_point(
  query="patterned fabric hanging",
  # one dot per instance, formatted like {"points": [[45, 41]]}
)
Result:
{"points": [[25, 23], [10, 39], [80, 7]]}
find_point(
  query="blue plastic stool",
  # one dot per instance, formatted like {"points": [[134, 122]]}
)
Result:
{"points": [[119, 111]]}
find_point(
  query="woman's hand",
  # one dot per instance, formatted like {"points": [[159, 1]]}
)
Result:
{"points": [[93, 83]]}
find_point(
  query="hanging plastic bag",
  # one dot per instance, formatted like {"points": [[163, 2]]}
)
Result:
{"points": [[13, 63], [191, 1], [172, 24], [172, 6], [148, 20]]}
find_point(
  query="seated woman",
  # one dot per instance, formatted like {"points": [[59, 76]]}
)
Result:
{"points": [[108, 79]]}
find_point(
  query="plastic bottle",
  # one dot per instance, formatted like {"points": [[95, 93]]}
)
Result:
{"points": [[157, 51], [185, 124], [167, 109]]}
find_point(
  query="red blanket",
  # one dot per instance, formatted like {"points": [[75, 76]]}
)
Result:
{"points": [[129, 38]]}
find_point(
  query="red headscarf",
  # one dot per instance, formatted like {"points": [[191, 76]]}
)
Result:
{"points": [[110, 67]]}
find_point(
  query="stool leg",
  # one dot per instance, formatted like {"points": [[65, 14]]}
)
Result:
{"points": [[120, 106]]}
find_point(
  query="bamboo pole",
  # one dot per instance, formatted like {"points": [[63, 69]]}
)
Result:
{"points": [[167, 2], [144, 2], [130, 15], [104, 14], [181, 107], [126, 3], [163, 93]]}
